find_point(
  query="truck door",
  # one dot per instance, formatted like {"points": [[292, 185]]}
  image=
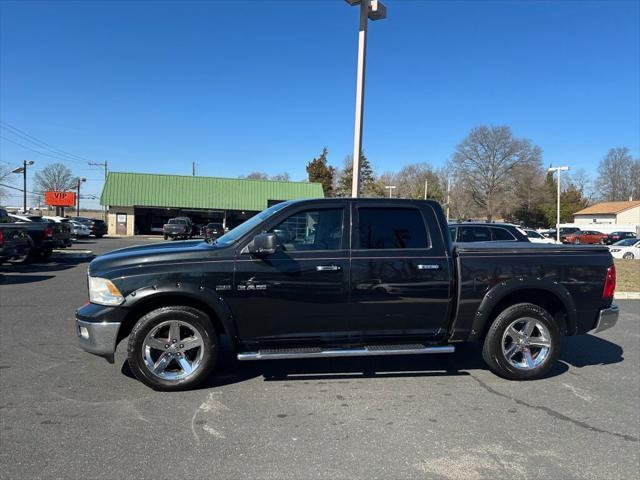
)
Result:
{"points": [[301, 291], [400, 274]]}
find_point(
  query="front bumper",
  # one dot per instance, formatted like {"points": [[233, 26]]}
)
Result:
{"points": [[97, 328], [607, 318], [98, 338]]}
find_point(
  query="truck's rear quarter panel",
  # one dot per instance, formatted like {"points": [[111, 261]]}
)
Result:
{"points": [[489, 273]]}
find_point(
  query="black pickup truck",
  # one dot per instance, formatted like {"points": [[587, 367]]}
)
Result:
{"points": [[342, 277], [41, 235], [14, 246]]}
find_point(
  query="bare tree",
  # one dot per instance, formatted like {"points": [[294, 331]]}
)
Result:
{"points": [[615, 180], [635, 179], [7, 178], [414, 180], [282, 177], [485, 162], [581, 181], [54, 177], [256, 176]]}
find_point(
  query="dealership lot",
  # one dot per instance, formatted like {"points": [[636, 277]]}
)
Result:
{"points": [[65, 413]]}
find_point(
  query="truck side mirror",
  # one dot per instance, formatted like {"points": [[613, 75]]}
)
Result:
{"points": [[263, 244]]}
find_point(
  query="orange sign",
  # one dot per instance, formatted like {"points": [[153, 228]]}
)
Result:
{"points": [[60, 199]]}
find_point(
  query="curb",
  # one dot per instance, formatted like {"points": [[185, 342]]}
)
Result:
{"points": [[627, 296], [70, 254]]}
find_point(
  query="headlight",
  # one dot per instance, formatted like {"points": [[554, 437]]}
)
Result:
{"points": [[615, 249], [104, 292]]}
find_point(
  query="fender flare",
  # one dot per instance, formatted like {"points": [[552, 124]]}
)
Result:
{"points": [[206, 296], [500, 291]]}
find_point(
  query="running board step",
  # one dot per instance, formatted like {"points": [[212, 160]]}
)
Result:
{"points": [[312, 352]]}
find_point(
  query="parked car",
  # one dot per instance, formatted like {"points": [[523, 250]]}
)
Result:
{"points": [[211, 231], [14, 244], [79, 230], [377, 277], [179, 227], [486, 232], [62, 231], [564, 231], [41, 235], [536, 237], [97, 227], [629, 249], [614, 237], [585, 237]]}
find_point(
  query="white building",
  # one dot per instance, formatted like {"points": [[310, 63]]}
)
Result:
{"points": [[607, 217]]}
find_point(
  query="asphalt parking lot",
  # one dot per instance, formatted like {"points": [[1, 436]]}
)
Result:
{"points": [[67, 414]]}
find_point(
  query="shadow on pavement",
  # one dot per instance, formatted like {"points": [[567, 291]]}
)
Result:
{"points": [[586, 350], [21, 274], [579, 351]]}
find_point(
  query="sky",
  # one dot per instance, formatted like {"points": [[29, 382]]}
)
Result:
{"points": [[242, 86]]}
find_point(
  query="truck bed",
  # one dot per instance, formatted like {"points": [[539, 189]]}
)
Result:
{"points": [[573, 273]]}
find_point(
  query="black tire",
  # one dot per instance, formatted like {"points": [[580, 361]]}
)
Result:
{"points": [[100, 235], [492, 350], [28, 254], [198, 321], [166, 236], [44, 255], [628, 256]]}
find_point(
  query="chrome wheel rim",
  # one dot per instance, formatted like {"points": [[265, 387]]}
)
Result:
{"points": [[173, 350], [526, 343]]}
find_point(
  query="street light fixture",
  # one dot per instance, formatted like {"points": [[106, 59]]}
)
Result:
{"points": [[391, 188], [558, 169], [80, 180], [23, 171], [369, 10]]}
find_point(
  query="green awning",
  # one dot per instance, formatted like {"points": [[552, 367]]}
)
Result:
{"points": [[178, 191]]}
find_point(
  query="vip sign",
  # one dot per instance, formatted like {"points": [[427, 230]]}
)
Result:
{"points": [[60, 199]]}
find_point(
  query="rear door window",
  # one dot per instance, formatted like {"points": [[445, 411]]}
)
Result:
{"points": [[391, 229], [473, 234], [501, 234]]}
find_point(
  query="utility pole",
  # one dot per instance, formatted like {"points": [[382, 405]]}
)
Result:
{"points": [[426, 185], [80, 180], [558, 169], [374, 10], [448, 195], [106, 172], [23, 171], [193, 169]]}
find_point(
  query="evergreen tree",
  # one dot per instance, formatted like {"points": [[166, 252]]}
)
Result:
{"points": [[369, 185], [319, 171]]}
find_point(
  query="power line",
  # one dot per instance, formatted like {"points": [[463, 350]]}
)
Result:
{"points": [[39, 152], [41, 143]]}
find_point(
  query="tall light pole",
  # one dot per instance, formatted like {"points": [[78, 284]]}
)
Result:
{"points": [[23, 170], [390, 188], [80, 180], [369, 10], [558, 169]]}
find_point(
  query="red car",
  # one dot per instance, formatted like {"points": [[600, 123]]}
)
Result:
{"points": [[586, 237]]}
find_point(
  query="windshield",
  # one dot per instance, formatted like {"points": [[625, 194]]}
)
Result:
{"points": [[627, 242], [533, 234], [178, 222], [233, 235]]}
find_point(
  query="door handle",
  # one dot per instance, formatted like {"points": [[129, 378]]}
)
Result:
{"points": [[429, 266], [328, 268]]}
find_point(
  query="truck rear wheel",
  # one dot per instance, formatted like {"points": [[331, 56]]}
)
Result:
{"points": [[173, 348], [523, 343]]}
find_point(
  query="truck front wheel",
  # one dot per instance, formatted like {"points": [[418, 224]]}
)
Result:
{"points": [[173, 348], [523, 343]]}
